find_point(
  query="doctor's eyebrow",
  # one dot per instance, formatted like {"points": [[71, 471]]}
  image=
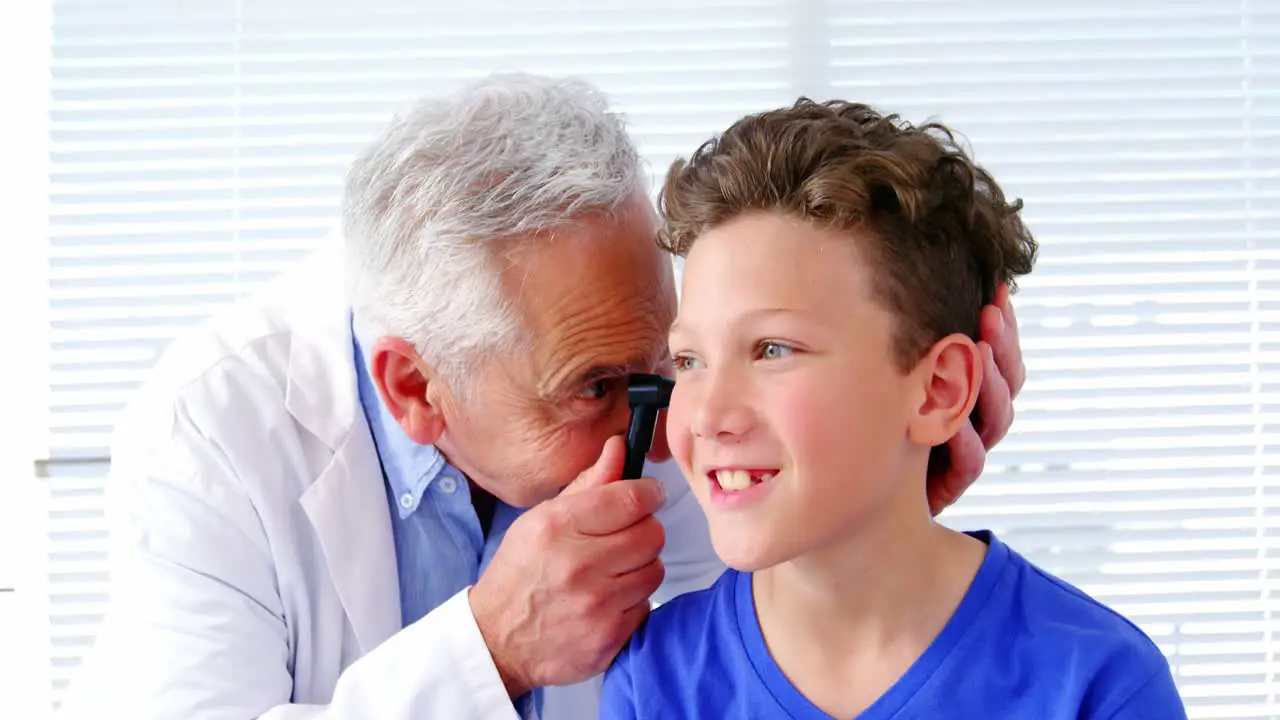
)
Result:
{"points": [[604, 372], [597, 374], [608, 371]]}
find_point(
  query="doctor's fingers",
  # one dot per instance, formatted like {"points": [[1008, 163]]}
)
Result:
{"points": [[636, 587], [998, 326], [995, 401], [607, 509], [629, 549]]}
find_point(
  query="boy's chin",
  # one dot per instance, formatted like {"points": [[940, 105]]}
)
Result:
{"points": [[747, 551]]}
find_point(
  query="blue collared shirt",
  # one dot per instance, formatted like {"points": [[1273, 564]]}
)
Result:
{"points": [[440, 546]]}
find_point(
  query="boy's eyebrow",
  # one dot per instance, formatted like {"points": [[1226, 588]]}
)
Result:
{"points": [[759, 313], [756, 314]]}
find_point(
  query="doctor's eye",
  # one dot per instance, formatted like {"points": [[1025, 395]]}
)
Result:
{"points": [[596, 390]]}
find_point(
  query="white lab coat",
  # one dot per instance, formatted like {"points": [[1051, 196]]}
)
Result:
{"points": [[253, 566]]}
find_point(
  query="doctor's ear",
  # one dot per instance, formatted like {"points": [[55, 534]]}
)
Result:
{"points": [[948, 377], [409, 388]]}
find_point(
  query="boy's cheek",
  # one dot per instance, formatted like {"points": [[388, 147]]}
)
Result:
{"points": [[679, 439]]}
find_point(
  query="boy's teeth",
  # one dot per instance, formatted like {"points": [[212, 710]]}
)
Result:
{"points": [[734, 480]]}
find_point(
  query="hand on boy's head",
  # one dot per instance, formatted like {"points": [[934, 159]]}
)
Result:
{"points": [[1002, 379], [999, 328]]}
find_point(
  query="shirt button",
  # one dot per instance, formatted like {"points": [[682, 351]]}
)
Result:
{"points": [[448, 485], [406, 501]]}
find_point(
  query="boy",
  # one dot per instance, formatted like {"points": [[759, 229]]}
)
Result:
{"points": [[836, 263]]}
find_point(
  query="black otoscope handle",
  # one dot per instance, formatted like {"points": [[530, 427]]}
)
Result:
{"points": [[646, 394]]}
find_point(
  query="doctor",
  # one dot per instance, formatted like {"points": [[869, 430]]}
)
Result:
{"points": [[305, 495]]}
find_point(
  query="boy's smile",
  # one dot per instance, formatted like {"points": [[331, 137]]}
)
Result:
{"points": [[790, 416], [731, 487]]}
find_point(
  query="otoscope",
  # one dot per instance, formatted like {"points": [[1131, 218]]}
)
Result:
{"points": [[646, 394]]}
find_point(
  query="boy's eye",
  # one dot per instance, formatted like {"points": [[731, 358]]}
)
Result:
{"points": [[683, 362], [773, 350]]}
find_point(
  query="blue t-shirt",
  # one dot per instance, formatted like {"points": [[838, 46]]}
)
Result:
{"points": [[1022, 645]]}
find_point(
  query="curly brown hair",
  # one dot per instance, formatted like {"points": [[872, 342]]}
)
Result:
{"points": [[941, 235]]}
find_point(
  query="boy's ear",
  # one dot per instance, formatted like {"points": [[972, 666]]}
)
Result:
{"points": [[949, 376], [409, 388]]}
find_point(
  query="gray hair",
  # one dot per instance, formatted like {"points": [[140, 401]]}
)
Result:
{"points": [[427, 202]]}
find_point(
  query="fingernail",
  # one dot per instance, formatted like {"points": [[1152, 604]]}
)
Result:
{"points": [[662, 492]]}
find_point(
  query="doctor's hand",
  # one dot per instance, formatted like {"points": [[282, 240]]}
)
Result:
{"points": [[1002, 378], [572, 578]]}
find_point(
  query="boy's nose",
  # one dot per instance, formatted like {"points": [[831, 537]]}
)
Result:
{"points": [[724, 410]]}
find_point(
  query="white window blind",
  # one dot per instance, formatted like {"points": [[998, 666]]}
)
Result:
{"points": [[1144, 465], [198, 147]]}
